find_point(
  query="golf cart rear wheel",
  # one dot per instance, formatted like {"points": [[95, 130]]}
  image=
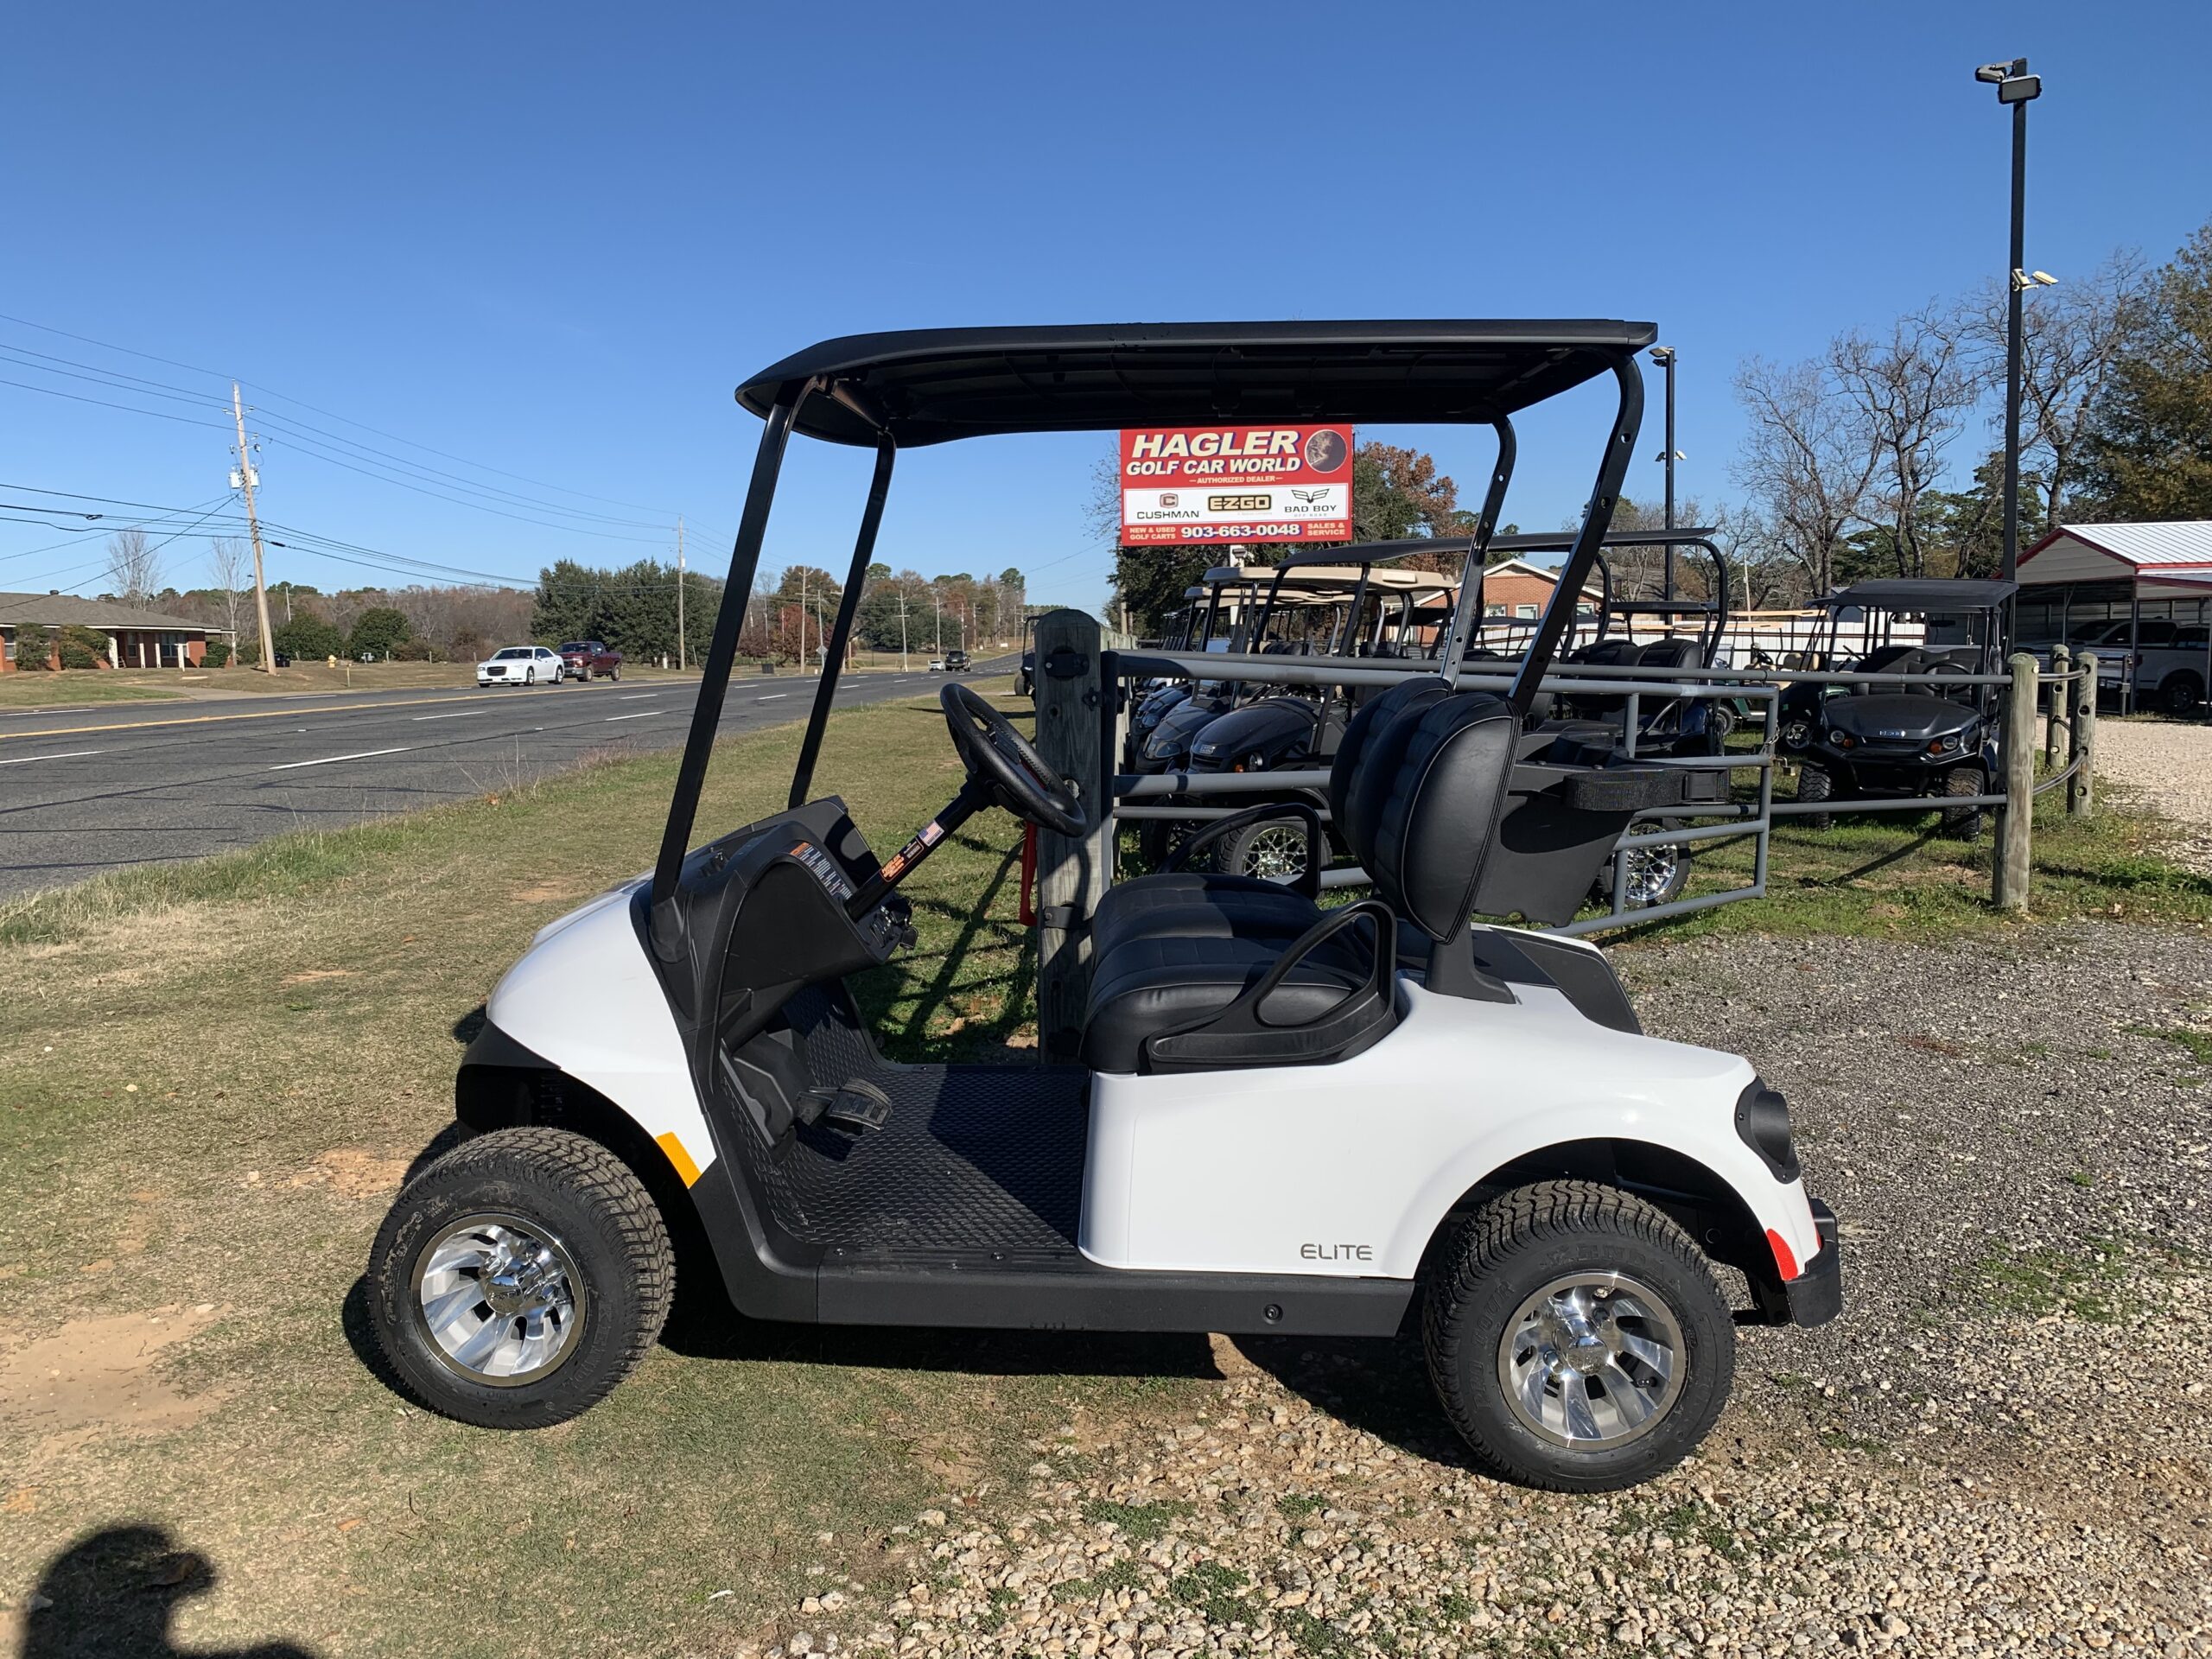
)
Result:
{"points": [[1274, 851], [1576, 1337], [1815, 784], [519, 1278], [1964, 821]]}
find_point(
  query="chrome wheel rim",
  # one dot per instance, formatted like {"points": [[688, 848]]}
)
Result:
{"points": [[499, 1300], [1592, 1361], [1275, 852], [1651, 873]]}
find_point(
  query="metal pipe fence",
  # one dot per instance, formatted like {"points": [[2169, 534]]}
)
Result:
{"points": [[2069, 690]]}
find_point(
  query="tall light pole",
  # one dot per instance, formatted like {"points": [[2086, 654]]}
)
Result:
{"points": [[2016, 87], [1664, 357]]}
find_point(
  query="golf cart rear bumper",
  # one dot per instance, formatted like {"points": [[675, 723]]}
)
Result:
{"points": [[1816, 1295]]}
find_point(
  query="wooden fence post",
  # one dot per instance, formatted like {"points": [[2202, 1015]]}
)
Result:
{"points": [[2081, 738], [1071, 874], [2061, 664], [2015, 819]]}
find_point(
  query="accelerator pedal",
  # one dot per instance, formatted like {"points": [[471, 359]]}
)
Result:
{"points": [[857, 1108]]}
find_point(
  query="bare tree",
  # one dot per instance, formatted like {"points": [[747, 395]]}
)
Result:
{"points": [[134, 569], [1906, 399], [1809, 470], [2071, 339], [232, 564]]}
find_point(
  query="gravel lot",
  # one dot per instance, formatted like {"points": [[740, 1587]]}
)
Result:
{"points": [[2164, 764], [2004, 1446]]}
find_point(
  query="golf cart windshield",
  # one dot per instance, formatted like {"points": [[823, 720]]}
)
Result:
{"points": [[890, 392]]}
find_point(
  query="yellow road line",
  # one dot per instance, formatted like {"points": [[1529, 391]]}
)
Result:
{"points": [[259, 714]]}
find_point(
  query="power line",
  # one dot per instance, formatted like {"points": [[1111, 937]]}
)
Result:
{"points": [[332, 415]]}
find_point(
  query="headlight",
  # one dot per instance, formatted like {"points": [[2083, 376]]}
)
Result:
{"points": [[1253, 762], [1161, 744]]}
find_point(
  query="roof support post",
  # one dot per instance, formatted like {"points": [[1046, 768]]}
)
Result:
{"points": [[706, 715], [1465, 617], [1597, 518], [841, 631]]}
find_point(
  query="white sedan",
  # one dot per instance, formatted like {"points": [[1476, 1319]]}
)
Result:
{"points": [[521, 665]]}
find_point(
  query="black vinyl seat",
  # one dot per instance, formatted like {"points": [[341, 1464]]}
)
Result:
{"points": [[1420, 802], [1193, 904]]}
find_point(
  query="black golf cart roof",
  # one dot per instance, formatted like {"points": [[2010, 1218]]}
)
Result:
{"points": [[1921, 594], [928, 385]]}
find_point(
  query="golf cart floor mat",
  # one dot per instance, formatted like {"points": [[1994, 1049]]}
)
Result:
{"points": [[972, 1159]]}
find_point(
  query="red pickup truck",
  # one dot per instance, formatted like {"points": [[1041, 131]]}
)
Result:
{"points": [[581, 659]]}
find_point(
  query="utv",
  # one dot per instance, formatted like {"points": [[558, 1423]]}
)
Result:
{"points": [[1870, 741]]}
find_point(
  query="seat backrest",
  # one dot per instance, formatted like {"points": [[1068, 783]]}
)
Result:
{"points": [[1436, 784], [1351, 805], [1668, 654]]}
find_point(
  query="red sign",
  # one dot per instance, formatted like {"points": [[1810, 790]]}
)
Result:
{"points": [[1236, 484]]}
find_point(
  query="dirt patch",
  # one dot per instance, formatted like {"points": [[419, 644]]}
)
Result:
{"points": [[314, 973], [97, 1373], [544, 892], [353, 1173]]}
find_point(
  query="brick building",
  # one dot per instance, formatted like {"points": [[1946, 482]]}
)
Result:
{"points": [[136, 638]]}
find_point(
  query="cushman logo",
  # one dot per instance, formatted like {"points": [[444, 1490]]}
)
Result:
{"points": [[1337, 1252]]}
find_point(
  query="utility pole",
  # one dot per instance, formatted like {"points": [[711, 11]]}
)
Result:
{"points": [[253, 529], [902, 627], [802, 619], [936, 599], [680, 664]]}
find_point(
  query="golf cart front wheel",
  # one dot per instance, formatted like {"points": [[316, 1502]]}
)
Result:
{"points": [[519, 1278], [1964, 821], [1576, 1338]]}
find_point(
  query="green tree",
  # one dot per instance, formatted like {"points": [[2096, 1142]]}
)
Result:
{"points": [[33, 647], [2150, 453], [379, 632], [306, 637], [82, 647]]}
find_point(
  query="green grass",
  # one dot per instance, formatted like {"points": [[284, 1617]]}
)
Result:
{"points": [[2197, 1044], [1896, 875], [210, 1075], [1141, 1523], [2039, 1283], [36, 690]]}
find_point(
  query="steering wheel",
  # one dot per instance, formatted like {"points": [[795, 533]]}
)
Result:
{"points": [[1007, 766]]}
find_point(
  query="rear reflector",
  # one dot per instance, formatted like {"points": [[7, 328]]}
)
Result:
{"points": [[1783, 1258]]}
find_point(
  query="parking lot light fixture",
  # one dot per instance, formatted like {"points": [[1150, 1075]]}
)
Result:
{"points": [[2016, 87]]}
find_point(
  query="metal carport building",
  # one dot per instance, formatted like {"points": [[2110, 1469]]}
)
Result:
{"points": [[2134, 594]]}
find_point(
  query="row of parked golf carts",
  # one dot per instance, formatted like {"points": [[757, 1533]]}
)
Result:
{"points": [[1866, 737]]}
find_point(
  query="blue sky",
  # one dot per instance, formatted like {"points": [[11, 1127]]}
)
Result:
{"points": [[550, 240]]}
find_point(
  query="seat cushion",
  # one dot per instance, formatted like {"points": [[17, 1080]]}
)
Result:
{"points": [[1184, 904], [1144, 986]]}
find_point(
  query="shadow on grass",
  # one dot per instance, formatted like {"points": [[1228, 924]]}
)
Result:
{"points": [[116, 1595]]}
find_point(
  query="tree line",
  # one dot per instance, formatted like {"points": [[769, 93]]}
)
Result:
{"points": [[1844, 464]]}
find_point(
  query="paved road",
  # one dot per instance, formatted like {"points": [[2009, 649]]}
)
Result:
{"points": [[88, 790]]}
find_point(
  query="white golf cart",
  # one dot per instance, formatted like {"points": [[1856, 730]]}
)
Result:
{"points": [[1284, 1118]]}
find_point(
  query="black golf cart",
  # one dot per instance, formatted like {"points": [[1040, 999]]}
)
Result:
{"points": [[1274, 1119], [1866, 740]]}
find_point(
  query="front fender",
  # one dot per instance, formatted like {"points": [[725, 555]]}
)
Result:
{"points": [[584, 998]]}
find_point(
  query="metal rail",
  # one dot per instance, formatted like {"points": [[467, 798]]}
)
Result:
{"points": [[1184, 794]]}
